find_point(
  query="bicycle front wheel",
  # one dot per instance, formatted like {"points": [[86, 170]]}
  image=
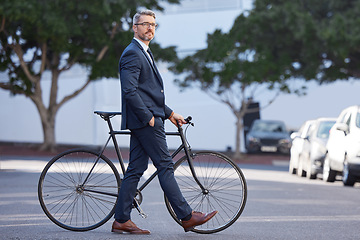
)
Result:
{"points": [[225, 189], [78, 189]]}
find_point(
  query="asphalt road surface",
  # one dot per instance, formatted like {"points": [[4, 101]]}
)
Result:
{"points": [[279, 206]]}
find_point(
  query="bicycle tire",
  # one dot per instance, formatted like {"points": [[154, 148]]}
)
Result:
{"points": [[225, 184], [70, 205]]}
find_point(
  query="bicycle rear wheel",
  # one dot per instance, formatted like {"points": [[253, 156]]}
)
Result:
{"points": [[225, 189], [78, 189]]}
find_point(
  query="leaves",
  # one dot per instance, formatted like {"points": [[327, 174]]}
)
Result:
{"points": [[274, 43], [54, 35], [75, 31], [280, 40]]}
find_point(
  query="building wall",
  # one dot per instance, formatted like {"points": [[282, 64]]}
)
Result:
{"points": [[184, 26]]}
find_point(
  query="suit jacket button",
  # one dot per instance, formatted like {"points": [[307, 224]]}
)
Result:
{"points": [[162, 91]]}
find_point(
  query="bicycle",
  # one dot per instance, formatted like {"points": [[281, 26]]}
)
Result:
{"points": [[78, 188]]}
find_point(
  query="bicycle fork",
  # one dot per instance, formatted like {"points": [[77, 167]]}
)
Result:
{"points": [[187, 150]]}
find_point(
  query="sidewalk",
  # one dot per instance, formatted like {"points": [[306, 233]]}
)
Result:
{"points": [[8, 149], [28, 149]]}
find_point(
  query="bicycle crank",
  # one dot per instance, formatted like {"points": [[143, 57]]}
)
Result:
{"points": [[137, 201]]}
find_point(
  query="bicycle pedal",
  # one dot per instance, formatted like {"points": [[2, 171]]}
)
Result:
{"points": [[142, 214]]}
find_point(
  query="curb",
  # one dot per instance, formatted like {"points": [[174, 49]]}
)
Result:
{"points": [[32, 150]]}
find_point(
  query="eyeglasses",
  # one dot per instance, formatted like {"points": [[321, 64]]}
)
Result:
{"points": [[147, 24]]}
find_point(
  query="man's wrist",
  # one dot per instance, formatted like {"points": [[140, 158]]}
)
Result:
{"points": [[171, 115]]}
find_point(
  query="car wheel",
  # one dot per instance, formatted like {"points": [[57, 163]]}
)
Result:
{"points": [[300, 171], [329, 175], [285, 151], [292, 170], [309, 173], [348, 179]]}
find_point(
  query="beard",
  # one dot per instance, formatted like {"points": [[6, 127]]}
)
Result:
{"points": [[146, 36]]}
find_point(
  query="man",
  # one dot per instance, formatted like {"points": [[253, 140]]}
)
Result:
{"points": [[144, 112]]}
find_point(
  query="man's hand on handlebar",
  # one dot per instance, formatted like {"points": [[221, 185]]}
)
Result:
{"points": [[177, 119]]}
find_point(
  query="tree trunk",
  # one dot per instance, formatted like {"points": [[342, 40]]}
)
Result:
{"points": [[239, 127], [48, 62], [47, 114], [47, 117], [48, 126]]}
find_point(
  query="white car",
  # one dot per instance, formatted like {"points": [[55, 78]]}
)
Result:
{"points": [[297, 145], [314, 150], [343, 148], [309, 147]]}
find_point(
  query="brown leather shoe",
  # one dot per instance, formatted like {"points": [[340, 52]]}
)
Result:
{"points": [[128, 227], [197, 219]]}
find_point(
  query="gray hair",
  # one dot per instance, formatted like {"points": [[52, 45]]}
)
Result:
{"points": [[143, 12]]}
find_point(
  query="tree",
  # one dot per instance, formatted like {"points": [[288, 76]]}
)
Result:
{"points": [[42, 35], [275, 42], [312, 40], [231, 72]]}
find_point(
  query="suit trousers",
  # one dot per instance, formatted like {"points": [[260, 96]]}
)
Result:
{"points": [[144, 143]]}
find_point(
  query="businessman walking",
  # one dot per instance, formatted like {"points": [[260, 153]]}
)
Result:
{"points": [[144, 112]]}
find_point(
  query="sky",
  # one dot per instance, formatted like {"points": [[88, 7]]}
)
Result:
{"points": [[186, 27]]}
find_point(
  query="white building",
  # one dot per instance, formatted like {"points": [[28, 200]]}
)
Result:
{"points": [[186, 27]]}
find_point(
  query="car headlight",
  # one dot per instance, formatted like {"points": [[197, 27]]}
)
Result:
{"points": [[253, 139], [284, 141]]}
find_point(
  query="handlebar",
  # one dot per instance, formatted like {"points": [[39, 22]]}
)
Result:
{"points": [[187, 120]]}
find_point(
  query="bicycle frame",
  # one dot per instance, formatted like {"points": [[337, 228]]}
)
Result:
{"points": [[112, 135]]}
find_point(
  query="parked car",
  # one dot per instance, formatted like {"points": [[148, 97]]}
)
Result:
{"points": [[310, 147], [343, 148], [297, 145], [268, 136]]}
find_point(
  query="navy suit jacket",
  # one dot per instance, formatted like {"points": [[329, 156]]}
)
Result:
{"points": [[142, 90]]}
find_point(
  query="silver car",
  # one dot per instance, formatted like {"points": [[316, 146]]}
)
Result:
{"points": [[311, 144]]}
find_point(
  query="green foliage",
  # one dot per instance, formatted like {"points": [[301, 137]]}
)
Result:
{"points": [[313, 40], [279, 40], [74, 32]]}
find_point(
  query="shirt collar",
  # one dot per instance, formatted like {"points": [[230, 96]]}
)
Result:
{"points": [[143, 45]]}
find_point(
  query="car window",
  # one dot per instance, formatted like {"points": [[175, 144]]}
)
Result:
{"points": [[306, 129], [324, 129], [345, 117], [357, 121], [348, 120], [310, 130], [260, 126]]}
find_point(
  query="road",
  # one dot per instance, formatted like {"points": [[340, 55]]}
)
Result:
{"points": [[279, 206]]}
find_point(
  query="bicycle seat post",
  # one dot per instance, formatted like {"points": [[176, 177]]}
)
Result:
{"points": [[107, 116]]}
